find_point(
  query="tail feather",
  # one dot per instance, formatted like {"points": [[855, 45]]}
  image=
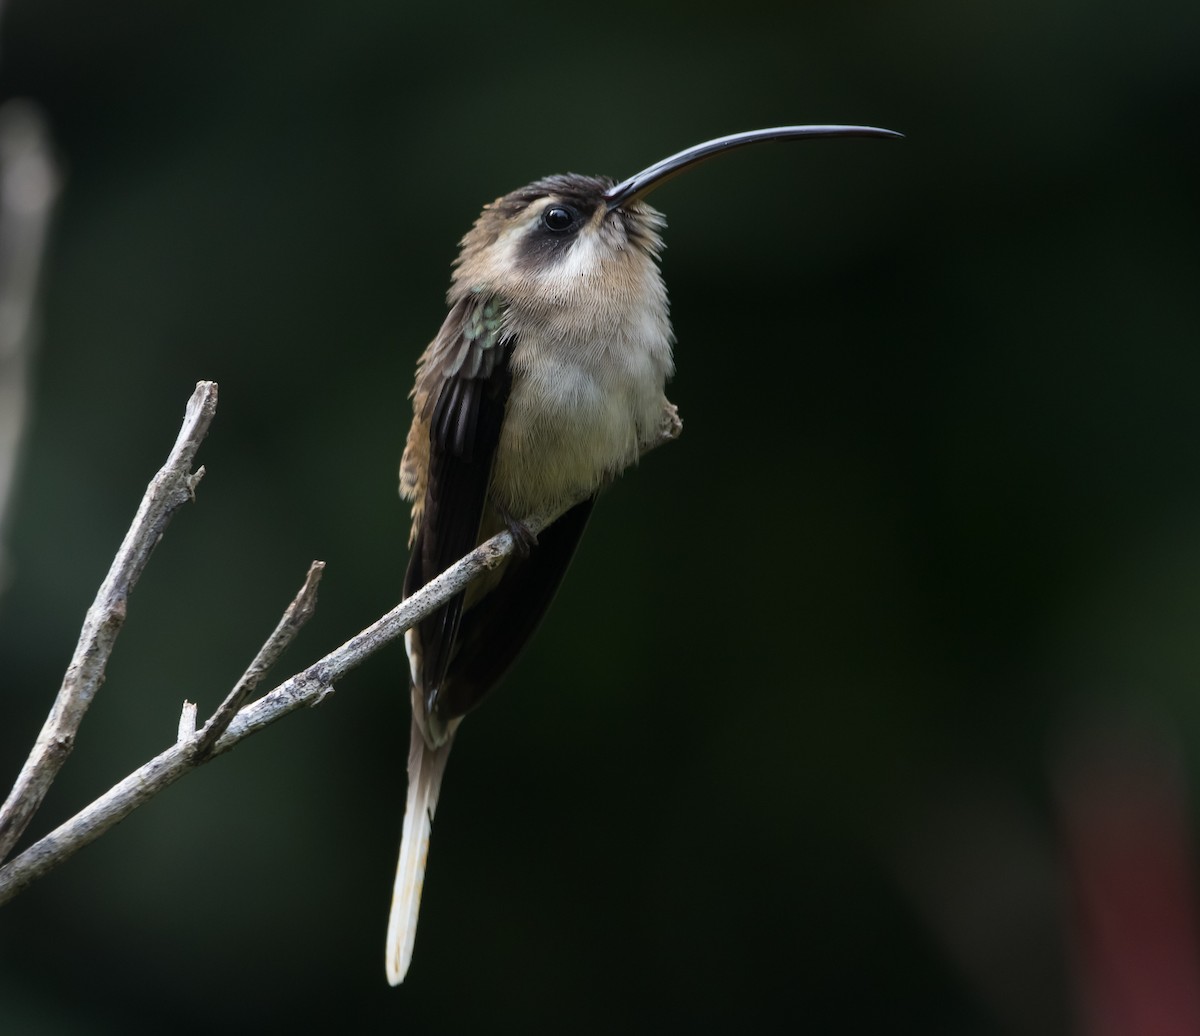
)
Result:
{"points": [[425, 768]]}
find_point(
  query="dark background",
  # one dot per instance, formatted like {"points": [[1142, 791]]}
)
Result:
{"points": [[802, 742]]}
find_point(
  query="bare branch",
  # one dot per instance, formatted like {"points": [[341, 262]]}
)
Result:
{"points": [[306, 688], [309, 687], [173, 486]]}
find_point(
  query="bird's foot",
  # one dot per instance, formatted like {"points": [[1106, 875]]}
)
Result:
{"points": [[524, 539]]}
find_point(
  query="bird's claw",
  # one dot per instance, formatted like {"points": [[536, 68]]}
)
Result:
{"points": [[524, 538]]}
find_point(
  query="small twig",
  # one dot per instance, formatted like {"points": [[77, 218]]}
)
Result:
{"points": [[306, 688], [173, 486], [298, 613], [187, 722]]}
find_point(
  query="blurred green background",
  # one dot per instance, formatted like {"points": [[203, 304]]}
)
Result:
{"points": [[790, 750]]}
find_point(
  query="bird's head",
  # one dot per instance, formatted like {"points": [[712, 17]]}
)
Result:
{"points": [[567, 235]]}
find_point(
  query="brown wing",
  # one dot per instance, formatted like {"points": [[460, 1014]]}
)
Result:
{"points": [[462, 389]]}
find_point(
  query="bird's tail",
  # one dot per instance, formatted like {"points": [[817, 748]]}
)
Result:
{"points": [[425, 768]]}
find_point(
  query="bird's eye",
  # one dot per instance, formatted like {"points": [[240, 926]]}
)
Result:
{"points": [[558, 219]]}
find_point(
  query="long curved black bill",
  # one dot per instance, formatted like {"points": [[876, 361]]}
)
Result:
{"points": [[641, 184]]}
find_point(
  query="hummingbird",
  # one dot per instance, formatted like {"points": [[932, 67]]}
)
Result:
{"points": [[546, 377]]}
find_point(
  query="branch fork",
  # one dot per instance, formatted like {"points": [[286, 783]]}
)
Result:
{"points": [[237, 717]]}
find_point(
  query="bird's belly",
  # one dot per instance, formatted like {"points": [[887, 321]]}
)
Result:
{"points": [[568, 430]]}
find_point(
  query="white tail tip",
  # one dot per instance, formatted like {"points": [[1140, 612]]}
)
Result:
{"points": [[425, 769]]}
